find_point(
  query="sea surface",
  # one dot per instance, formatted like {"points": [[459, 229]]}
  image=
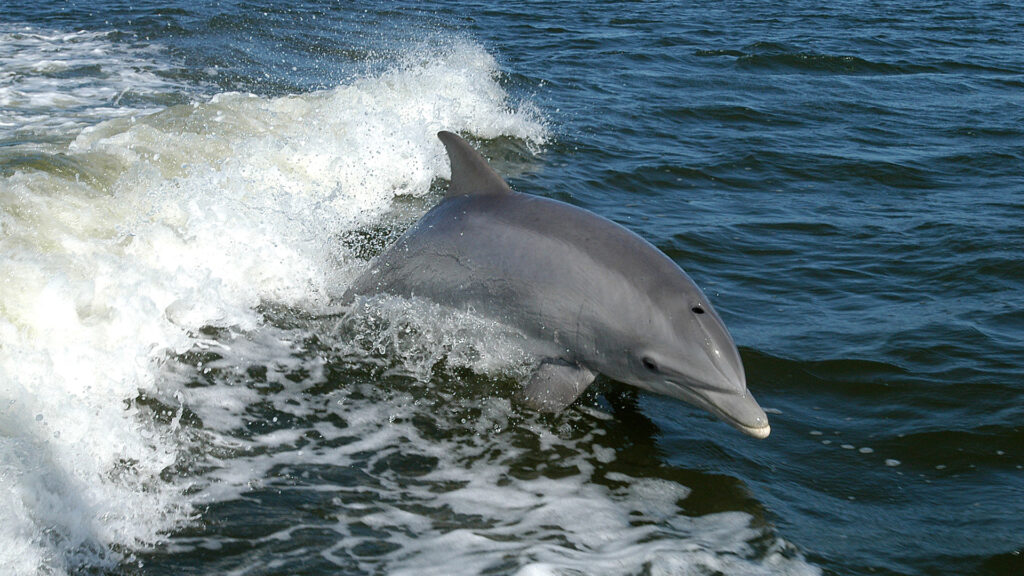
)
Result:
{"points": [[187, 189]]}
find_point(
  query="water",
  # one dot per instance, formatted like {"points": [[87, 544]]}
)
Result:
{"points": [[187, 190]]}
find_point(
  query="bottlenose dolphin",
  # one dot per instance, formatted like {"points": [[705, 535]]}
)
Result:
{"points": [[590, 296]]}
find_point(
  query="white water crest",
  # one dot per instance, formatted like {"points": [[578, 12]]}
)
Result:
{"points": [[119, 248]]}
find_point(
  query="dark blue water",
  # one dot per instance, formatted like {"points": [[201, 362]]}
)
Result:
{"points": [[845, 182]]}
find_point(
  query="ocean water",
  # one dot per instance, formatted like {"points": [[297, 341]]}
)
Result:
{"points": [[186, 190]]}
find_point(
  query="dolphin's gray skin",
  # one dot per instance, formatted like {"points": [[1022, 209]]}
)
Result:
{"points": [[591, 296]]}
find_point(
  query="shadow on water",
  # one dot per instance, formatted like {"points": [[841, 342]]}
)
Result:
{"points": [[641, 454]]}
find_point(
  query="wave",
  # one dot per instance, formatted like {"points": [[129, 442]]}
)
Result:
{"points": [[132, 242], [785, 58]]}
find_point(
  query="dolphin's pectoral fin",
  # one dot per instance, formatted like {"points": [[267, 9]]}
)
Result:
{"points": [[555, 385]]}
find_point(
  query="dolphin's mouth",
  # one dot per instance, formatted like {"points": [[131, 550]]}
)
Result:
{"points": [[744, 414], [760, 433], [740, 411]]}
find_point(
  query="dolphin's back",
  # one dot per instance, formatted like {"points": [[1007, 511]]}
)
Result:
{"points": [[528, 261]]}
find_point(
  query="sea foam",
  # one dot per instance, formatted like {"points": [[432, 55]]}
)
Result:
{"points": [[54, 83], [122, 247]]}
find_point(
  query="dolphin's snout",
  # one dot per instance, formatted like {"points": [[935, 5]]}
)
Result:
{"points": [[734, 403], [759, 433], [742, 412], [729, 399]]}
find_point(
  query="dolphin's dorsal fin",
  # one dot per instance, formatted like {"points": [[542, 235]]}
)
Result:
{"points": [[471, 175]]}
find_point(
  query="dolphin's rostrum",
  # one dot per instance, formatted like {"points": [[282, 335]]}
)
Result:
{"points": [[590, 296]]}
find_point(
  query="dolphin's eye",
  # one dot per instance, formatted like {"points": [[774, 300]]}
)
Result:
{"points": [[650, 364], [697, 310]]}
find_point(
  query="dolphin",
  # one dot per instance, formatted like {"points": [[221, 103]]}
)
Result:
{"points": [[590, 296]]}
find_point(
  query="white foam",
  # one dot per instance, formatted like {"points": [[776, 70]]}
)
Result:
{"points": [[54, 83], [456, 482], [187, 218], [476, 506]]}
